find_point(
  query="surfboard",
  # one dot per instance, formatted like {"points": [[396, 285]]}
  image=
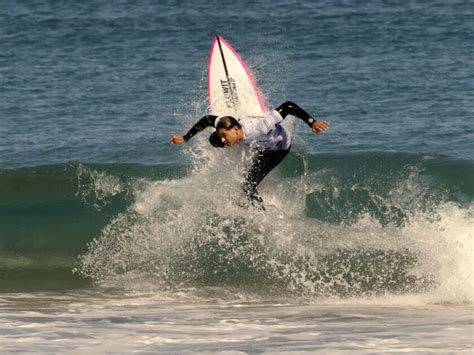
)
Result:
{"points": [[232, 89]]}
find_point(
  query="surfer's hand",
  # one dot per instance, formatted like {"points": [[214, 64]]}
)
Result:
{"points": [[176, 139], [319, 126]]}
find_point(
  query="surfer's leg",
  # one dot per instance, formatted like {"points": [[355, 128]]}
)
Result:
{"points": [[264, 162]]}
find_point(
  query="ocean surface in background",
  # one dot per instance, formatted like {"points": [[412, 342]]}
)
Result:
{"points": [[111, 239]]}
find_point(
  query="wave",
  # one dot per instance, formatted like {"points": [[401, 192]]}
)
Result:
{"points": [[344, 225], [349, 178]]}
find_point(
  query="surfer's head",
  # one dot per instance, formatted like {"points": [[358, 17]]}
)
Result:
{"points": [[229, 130]]}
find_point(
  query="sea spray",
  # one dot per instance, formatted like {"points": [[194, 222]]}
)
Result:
{"points": [[191, 232], [446, 243], [95, 188]]}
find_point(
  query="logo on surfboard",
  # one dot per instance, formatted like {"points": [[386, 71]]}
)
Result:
{"points": [[229, 89]]}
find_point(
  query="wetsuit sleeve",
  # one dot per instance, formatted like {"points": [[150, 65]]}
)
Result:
{"points": [[206, 121], [290, 108]]}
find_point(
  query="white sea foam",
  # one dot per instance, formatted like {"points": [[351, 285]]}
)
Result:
{"points": [[127, 322]]}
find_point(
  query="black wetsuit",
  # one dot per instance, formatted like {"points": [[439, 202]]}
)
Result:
{"points": [[265, 160]]}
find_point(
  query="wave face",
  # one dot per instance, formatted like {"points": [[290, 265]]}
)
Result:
{"points": [[334, 225]]}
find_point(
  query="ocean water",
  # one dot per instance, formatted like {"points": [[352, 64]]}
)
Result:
{"points": [[113, 240]]}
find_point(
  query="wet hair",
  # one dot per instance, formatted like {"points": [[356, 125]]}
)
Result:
{"points": [[227, 122], [216, 141]]}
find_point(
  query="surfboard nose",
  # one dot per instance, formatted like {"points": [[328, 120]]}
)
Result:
{"points": [[231, 87]]}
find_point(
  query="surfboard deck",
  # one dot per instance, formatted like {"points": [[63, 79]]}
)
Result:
{"points": [[232, 89]]}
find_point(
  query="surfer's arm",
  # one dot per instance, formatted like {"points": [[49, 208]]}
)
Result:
{"points": [[290, 108], [203, 123], [206, 121]]}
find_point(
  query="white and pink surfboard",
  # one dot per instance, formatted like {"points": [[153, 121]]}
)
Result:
{"points": [[232, 88]]}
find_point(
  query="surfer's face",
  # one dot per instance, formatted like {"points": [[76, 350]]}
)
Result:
{"points": [[230, 136]]}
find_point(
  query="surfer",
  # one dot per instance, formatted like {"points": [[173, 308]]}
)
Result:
{"points": [[266, 134]]}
